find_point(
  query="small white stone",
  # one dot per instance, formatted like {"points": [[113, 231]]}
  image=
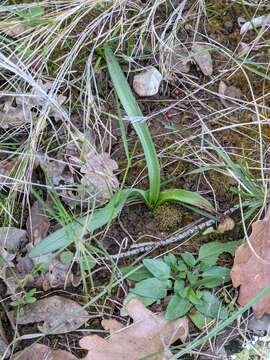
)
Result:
{"points": [[147, 82]]}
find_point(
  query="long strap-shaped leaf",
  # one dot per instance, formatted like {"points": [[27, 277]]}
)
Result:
{"points": [[69, 233], [133, 110]]}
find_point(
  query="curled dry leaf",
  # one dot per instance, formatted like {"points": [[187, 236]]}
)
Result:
{"points": [[251, 268], [99, 175], [226, 224], [37, 224], [175, 57], [203, 58], [12, 238], [42, 352], [57, 274], [228, 91], [257, 22], [15, 116], [150, 333], [59, 314]]}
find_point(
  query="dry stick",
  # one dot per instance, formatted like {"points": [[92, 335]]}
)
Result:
{"points": [[180, 235]]}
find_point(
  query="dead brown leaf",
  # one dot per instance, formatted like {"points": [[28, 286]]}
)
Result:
{"points": [[228, 91], [251, 268], [150, 333], [16, 30], [42, 352], [203, 58], [12, 238], [37, 224], [59, 314], [99, 175], [15, 116], [175, 57]]}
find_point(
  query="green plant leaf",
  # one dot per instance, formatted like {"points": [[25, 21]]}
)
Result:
{"points": [[188, 258], [171, 260], [139, 275], [219, 272], [158, 268], [152, 288], [193, 297], [208, 282], [177, 308], [210, 252], [198, 319], [179, 285], [66, 257], [192, 278], [211, 306], [181, 266], [133, 110], [30, 300], [186, 197]]}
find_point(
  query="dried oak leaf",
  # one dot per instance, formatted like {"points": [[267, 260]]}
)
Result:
{"points": [[99, 175], [59, 314], [203, 58], [251, 268], [150, 333], [42, 352]]}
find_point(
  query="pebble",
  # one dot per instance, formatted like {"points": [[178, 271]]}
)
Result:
{"points": [[147, 82]]}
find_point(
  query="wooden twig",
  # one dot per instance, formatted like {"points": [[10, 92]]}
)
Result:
{"points": [[179, 236]]}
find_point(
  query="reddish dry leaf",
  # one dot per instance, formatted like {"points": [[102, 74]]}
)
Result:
{"points": [[42, 352], [37, 224], [251, 268], [60, 315], [150, 333]]}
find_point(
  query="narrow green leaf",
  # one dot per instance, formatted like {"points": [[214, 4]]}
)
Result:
{"points": [[69, 233], [152, 288], [186, 197], [133, 110], [158, 268], [177, 308]]}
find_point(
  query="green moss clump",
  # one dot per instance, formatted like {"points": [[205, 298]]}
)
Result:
{"points": [[168, 217]]}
